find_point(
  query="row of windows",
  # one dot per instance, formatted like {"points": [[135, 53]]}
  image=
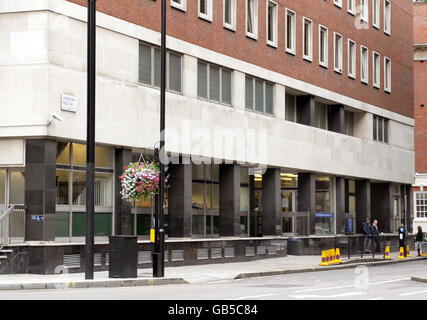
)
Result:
{"points": [[421, 205], [363, 10], [205, 11], [337, 52], [214, 83]]}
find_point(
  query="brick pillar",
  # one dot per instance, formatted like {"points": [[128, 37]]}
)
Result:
{"points": [[122, 216], [229, 200], [306, 107], [382, 206], [307, 196], [180, 200], [336, 118], [40, 189], [363, 203], [271, 202]]}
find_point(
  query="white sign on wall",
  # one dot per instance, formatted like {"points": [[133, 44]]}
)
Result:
{"points": [[69, 103]]}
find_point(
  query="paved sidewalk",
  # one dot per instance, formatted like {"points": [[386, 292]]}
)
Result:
{"points": [[190, 274]]}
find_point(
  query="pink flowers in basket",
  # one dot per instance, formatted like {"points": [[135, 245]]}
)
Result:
{"points": [[140, 180]]}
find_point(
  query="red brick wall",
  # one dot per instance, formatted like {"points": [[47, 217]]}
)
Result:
{"points": [[420, 89], [398, 47]]}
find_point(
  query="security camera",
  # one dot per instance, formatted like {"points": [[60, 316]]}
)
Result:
{"points": [[57, 117], [52, 117]]}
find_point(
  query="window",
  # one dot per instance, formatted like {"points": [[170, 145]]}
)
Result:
{"points": [[272, 23], [321, 115], [364, 63], [230, 14], [387, 17], [323, 46], [213, 83], [420, 205], [205, 9], [258, 95], [252, 18], [179, 4], [380, 129], [337, 52], [351, 6], [307, 39], [71, 190], [149, 68], [292, 111], [290, 31], [376, 13], [351, 59], [338, 3], [348, 123], [205, 199], [364, 10], [375, 69], [387, 74]]}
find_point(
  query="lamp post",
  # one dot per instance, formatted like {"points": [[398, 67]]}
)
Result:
{"points": [[90, 143], [159, 242]]}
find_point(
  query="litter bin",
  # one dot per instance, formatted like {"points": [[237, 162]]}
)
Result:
{"points": [[123, 257]]}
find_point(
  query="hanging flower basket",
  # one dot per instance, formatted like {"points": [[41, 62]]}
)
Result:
{"points": [[140, 180]]}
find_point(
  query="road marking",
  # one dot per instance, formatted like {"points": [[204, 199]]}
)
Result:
{"points": [[350, 286], [339, 295], [412, 293], [253, 297]]}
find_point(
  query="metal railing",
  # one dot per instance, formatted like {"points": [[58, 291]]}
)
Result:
{"points": [[12, 225], [364, 245]]}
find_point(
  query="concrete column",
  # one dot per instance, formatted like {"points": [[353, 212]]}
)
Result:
{"points": [[307, 196], [40, 189], [238, 90], [306, 106], [279, 101], [340, 204], [407, 189], [336, 118], [189, 83], [363, 203], [271, 202], [180, 200], [381, 206], [122, 208], [253, 214], [229, 200]]}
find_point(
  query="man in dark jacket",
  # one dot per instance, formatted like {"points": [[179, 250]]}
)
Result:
{"points": [[366, 231], [375, 235]]}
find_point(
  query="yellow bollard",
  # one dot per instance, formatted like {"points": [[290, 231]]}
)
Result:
{"points": [[401, 254], [338, 256], [408, 255], [333, 256], [323, 261], [387, 253]]}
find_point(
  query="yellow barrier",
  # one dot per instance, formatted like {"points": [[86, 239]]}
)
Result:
{"points": [[408, 252], [401, 254], [387, 253], [337, 256], [323, 262]]}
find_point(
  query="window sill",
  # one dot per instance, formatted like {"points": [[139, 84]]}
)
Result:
{"points": [[179, 7], [323, 65], [352, 76], [292, 52], [272, 44], [205, 17], [229, 27], [251, 36], [307, 58]]}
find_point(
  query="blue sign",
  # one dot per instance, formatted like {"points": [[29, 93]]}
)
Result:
{"points": [[37, 218], [323, 215], [350, 225]]}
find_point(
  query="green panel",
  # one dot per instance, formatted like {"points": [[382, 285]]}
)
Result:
{"points": [[143, 224], [62, 224], [103, 224]]}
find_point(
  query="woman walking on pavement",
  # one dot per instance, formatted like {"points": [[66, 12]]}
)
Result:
{"points": [[418, 240]]}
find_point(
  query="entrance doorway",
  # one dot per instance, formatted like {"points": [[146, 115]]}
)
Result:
{"points": [[12, 188]]}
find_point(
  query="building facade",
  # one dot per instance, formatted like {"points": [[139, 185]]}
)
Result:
{"points": [[420, 100], [284, 118]]}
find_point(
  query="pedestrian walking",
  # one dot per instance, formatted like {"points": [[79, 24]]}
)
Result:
{"points": [[375, 235], [418, 240], [402, 237], [366, 231]]}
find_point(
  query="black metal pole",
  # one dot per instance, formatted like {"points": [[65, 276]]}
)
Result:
{"points": [[159, 243], [90, 143]]}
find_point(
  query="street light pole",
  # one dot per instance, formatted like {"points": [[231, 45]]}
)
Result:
{"points": [[90, 143], [159, 242]]}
